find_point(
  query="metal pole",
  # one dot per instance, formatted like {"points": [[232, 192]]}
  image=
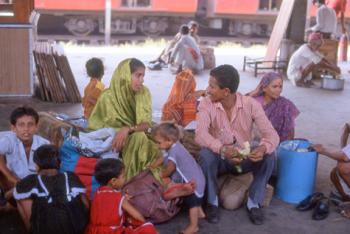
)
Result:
{"points": [[108, 19]]}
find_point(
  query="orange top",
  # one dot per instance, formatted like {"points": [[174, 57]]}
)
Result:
{"points": [[181, 103], [91, 93]]}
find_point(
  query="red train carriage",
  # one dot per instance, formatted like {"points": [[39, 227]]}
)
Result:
{"points": [[253, 18], [83, 17]]}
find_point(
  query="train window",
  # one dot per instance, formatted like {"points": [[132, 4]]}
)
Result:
{"points": [[5, 2], [6, 8], [270, 5], [136, 3]]}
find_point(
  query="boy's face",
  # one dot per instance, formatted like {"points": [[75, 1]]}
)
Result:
{"points": [[25, 128], [162, 143]]}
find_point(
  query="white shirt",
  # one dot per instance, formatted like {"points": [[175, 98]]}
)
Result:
{"points": [[301, 58], [13, 150], [326, 20], [346, 150]]}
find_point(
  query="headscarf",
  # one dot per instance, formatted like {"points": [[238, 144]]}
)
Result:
{"points": [[281, 112], [119, 105], [181, 104], [315, 38], [266, 80]]}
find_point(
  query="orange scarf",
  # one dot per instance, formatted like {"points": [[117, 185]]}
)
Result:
{"points": [[181, 104]]}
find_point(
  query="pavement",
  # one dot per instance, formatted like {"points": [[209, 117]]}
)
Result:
{"points": [[322, 116]]}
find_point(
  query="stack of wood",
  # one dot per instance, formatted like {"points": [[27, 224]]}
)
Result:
{"points": [[56, 80]]}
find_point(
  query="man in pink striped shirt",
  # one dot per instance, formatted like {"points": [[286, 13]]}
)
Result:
{"points": [[224, 122]]}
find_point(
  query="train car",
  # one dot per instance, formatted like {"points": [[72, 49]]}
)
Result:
{"points": [[84, 17], [234, 18]]}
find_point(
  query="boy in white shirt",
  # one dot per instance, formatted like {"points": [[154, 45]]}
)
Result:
{"points": [[340, 175], [17, 147]]}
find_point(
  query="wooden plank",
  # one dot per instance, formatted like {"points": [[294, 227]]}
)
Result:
{"points": [[14, 61], [279, 29]]}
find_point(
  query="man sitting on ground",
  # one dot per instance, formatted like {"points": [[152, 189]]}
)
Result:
{"points": [[340, 175], [305, 59], [224, 123], [17, 148]]}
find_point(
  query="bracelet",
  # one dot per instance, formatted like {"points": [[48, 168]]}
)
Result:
{"points": [[132, 129]]}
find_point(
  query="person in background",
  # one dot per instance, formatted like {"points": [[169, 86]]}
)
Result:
{"points": [[279, 110], [339, 6], [326, 20], [17, 149], [186, 53], [180, 165], [181, 105], [51, 201], [193, 25], [305, 59], [95, 70], [340, 175], [110, 206], [225, 121]]}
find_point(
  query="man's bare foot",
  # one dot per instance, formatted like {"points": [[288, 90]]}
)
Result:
{"points": [[201, 213], [190, 229], [178, 190]]}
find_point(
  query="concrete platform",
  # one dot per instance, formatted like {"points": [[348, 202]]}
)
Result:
{"points": [[323, 113]]}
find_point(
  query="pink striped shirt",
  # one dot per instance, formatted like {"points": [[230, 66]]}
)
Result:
{"points": [[214, 129]]}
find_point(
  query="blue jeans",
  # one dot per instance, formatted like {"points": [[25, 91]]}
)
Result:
{"points": [[213, 166]]}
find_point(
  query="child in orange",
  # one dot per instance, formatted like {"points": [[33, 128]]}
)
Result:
{"points": [[95, 70], [109, 204]]}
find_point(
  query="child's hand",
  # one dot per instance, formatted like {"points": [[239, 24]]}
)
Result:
{"points": [[318, 148]]}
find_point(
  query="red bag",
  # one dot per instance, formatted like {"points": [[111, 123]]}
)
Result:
{"points": [[146, 196]]}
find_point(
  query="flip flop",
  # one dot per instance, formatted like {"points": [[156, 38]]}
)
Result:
{"points": [[321, 210]]}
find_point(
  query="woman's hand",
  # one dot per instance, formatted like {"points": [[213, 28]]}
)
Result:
{"points": [[120, 138]]}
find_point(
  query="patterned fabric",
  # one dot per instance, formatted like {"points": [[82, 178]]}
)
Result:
{"points": [[91, 93], [181, 104], [214, 129], [119, 106], [281, 112], [107, 216]]}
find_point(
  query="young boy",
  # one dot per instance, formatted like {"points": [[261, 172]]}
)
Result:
{"points": [[17, 147], [340, 175], [95, 70]]}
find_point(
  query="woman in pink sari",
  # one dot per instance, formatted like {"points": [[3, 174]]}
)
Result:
{"points": [[280, 111]]}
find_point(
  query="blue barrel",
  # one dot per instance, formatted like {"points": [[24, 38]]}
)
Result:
{"points": [[296, 171]]}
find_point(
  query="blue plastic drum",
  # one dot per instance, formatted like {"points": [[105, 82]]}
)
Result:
{"points": [[297, 167]]}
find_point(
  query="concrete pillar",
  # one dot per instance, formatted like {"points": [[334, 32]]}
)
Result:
{"points": [[295, 33]]}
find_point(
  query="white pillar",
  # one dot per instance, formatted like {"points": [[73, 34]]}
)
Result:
{"points": [[108, 19]]}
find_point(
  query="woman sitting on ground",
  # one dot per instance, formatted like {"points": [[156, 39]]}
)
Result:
{"points": [[181, 105], [280, 111], [126, 106]]}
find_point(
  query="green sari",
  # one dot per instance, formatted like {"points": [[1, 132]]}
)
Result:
{"points": [[117, 107]]}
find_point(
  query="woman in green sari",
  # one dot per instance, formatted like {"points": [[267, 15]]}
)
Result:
{"points": [[126, 106]]}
